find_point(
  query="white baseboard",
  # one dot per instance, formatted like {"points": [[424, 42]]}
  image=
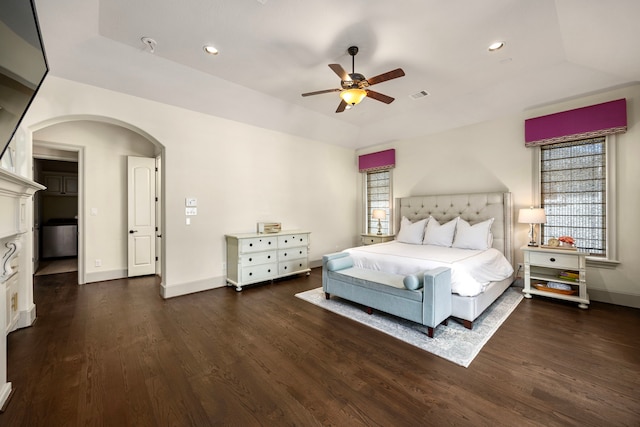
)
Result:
{"points": [[627, 300], [192, 287], [5, 392], [101, 276], [26, 317]]}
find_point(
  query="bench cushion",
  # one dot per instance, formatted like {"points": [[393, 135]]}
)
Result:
{"points": [[379, 281]]}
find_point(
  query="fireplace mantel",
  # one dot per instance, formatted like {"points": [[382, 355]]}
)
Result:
{"points": [[15, 194]]}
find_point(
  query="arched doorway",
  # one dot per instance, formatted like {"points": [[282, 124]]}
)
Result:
{"points": [[100, 147]]}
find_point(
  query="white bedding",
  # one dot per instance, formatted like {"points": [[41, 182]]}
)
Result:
{"points": [[471, 270]]}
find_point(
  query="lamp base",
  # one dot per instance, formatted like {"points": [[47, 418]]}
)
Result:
{"points": [[532, 244]]}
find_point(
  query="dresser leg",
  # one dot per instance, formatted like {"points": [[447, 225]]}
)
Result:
{"points": [[583, 306], [238, 288]]}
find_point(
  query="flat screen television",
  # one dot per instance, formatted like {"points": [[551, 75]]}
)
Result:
{"points": [[23, 64]]}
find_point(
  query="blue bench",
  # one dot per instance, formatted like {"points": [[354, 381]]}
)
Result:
{"points": [[424, 297]]}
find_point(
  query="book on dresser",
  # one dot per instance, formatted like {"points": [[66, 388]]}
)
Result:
{"points": [[256, 257]]}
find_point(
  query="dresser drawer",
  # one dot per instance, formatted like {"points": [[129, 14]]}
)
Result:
{"points": [[257, 244], [293, 240], [257, 258], [259, 273], [554, 260], [288, 267], [292, 253]]}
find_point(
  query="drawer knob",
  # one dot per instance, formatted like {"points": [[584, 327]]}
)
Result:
{"points": [[250, 259], [285, 254], [552, 259]]}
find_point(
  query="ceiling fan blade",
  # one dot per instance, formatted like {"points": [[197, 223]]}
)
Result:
{"points": [[379, 97], [393, 74], [318, 92], [337, 68], [341, 106]]}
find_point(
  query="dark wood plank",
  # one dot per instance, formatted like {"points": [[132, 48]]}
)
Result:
{"points": [[115, 353]]}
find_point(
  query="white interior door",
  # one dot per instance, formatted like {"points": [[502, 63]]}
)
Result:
{"points": [[141, 216]]}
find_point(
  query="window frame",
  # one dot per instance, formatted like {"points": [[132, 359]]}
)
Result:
{"points": [[611, 247], [367, 211]]}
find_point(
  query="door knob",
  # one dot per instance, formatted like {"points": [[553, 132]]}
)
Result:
{"points": [[133, 231]]}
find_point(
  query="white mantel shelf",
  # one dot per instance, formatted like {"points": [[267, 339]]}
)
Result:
{"points": [[15, 192]]}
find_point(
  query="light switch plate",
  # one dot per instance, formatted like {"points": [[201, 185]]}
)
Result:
{"points": [[191, 211], [191, 201]]}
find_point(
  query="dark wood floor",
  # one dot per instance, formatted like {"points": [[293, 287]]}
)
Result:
{"points": [[116, 354]]}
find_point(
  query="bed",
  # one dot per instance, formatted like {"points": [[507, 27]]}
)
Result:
{"points": [[479, 275]]}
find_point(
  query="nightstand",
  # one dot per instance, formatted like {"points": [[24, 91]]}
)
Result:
{"points": [[372, 239], [560, 266]]}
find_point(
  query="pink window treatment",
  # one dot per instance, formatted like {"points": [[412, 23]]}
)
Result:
{"points": [[377, 161], [587, 122]]}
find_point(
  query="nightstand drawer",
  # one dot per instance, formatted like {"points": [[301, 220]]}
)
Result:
{"points": [[554, 260], [372, 239]]}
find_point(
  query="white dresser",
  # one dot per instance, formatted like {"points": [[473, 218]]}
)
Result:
{"points": [[254, 258]]}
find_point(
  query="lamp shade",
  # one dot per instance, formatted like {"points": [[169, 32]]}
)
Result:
{"points": [[532, 216], [378, 214], [353, 96]]}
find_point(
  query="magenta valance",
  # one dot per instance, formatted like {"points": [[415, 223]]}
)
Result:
{"points": [[587, 122], [377, 161]]}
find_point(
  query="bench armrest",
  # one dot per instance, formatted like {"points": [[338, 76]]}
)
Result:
{"points": [[437, 296]]}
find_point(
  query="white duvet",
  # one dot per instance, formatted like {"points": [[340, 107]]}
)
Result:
{"points": [[471, 270]]}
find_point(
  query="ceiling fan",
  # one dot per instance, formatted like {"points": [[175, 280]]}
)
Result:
{"points": [[354, 86]]}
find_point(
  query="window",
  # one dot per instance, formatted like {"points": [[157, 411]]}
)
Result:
{"points": [[573, 190], [378, 196]]}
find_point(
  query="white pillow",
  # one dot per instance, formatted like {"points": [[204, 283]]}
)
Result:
{"points": [[411, 232], [477, 236], [439, 235]]}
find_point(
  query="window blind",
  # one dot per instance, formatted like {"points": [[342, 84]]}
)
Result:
{"points": [[573, 192], [378, 197]]}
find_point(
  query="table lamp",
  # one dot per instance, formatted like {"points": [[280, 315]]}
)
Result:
{"points": [[379, 214], [532, 216]]}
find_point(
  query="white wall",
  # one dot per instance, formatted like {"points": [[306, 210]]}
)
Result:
{"points": [[491, 156], [240, 175]]}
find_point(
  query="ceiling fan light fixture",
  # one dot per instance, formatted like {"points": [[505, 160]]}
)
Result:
{"points": [[353, 96]]}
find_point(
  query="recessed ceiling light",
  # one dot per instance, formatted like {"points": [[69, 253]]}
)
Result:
{"points": [[210, 49], [496, 46]]}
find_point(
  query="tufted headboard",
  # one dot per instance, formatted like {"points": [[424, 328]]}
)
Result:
{"points": [[472, 207]]}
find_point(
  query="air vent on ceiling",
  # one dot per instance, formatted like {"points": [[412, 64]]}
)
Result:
{"points": [[419, 95]]}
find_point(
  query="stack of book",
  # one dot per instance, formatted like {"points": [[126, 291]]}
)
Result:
{"points": [[571, 276]]}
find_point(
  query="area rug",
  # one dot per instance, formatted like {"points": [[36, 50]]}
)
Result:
{"points": [[452, 342]]}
